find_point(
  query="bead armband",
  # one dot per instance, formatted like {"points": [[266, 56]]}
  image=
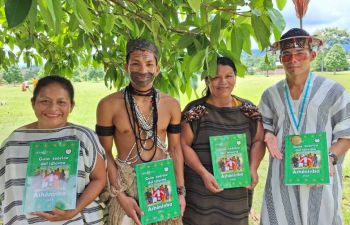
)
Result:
{"points": [[181, 190]]}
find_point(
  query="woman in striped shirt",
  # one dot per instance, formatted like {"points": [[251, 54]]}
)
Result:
{"points": [[52, 101]]}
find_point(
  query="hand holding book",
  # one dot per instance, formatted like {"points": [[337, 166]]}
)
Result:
{"points": [[255, 178], [210, 183], [57, 214]]}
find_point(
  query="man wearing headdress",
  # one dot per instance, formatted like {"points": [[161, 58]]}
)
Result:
{"points": [[303, 103], [139, 119]]}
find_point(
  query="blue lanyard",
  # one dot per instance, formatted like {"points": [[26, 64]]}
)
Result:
{"points": [[297, 124]]}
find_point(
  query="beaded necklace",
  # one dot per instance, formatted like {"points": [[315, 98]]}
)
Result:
{"points": [[142, 129]]}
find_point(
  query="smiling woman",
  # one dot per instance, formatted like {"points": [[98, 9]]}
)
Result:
{"points": [[52, 101], [219, 113]]}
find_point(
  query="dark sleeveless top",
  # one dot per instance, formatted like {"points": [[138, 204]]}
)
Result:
{"points": [[231, 206]]}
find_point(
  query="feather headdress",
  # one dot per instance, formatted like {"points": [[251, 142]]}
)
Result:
{"points": [[301, 7]]}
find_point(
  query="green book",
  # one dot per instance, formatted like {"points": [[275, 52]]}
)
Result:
{"points": [[51, 178], [157, 191], [306, 159], [230, 161]]}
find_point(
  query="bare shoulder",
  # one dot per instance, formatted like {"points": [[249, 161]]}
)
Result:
{"points": [[169, 101], [111, 100]]}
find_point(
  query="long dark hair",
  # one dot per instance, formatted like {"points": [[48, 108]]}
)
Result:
{"points": [[225, 61]]}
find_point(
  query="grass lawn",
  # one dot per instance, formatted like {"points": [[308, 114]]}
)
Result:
{"points": [[15, 111]]}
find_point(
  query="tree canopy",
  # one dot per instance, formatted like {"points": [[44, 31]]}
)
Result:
{"points": [[62, 34], [336, 59], [333, 35]]}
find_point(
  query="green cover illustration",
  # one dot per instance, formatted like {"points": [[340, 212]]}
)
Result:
{"points": [[229, 157], [306, 159], [51, 178], [157, 192]]}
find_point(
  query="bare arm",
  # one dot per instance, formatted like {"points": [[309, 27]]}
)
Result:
{"points": [[257, 153], [104, 117], [176, 153], [339, 148], [192, 160]]}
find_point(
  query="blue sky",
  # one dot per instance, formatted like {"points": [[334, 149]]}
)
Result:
{"points": [[320, 14]]}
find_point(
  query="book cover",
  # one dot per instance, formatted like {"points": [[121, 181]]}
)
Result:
{"points": [[230, 160], [157, 192], [306, 159], [51, 178]]}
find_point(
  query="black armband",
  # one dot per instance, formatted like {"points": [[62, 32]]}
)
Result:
{"points": [[174, 128], [104, 131]]}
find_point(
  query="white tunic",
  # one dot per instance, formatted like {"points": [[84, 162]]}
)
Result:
{"points": [[327, 108]]}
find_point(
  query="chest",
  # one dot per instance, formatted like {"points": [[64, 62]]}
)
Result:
{"points": [[127, 119]]}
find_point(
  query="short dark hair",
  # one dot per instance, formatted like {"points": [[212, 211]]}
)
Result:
{"points": [[142, 45], [50, 79], [295, 32]]}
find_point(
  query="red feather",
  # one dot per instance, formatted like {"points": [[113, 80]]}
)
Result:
{"points": [[301, 7]]}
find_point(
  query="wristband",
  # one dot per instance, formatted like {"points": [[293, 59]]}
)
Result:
{"points": [[181, 190], [334, 156]]}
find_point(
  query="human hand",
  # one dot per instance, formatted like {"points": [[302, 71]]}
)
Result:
{"points": [[331, 167], [331, 173], [57, 214], [272, 145], [130, 207], [255, 179], [210, 183], [182, 202]]}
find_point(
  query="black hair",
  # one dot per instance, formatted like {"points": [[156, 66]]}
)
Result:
{"points": [[225, 61], [45, 81], [295, 32], [142, 45]]}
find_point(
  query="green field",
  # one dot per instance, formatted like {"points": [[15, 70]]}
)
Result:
{"points": [[15, 111]]}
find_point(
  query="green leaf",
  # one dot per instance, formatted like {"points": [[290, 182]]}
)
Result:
{"points": [[32, 16], [245, 32], [46, 14], [261, 31], [195, 5], [160, 20], [73, 23], [16, 11], [277, 22], [84, 14], [57, 15], [107, 23], [127, 22], [51, 10], [281, 4], [185, 41], [212, 64], [197, 61], [215, 29], [236, 42]]}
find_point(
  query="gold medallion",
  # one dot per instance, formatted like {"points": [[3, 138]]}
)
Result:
{"points": [[296, 140]]}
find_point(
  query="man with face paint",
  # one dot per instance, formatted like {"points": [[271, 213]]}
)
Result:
{"points": [[144, 125], [303, 103]]}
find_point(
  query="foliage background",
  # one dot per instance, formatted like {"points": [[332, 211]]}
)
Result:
{"points": [[61, 35]]}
